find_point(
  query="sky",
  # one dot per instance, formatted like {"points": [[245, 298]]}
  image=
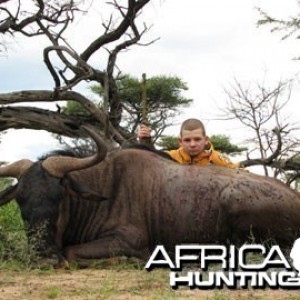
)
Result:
{"points": [[205, 43]]}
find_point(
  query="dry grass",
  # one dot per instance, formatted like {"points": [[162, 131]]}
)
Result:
{"points": [[113, 284]]}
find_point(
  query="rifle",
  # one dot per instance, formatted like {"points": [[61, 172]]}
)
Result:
{"points": [[145, 140]]}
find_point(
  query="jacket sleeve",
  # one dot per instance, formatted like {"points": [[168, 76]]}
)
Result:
{"points": [[219, 159]]}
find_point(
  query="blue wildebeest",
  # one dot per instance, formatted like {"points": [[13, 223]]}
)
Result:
{"points": [[128, 201]]}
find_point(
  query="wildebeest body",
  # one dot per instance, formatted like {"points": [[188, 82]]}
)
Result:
{"points": [[135, 199]]}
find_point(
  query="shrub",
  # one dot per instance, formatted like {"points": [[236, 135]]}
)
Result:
{"points": [[13, 241]]}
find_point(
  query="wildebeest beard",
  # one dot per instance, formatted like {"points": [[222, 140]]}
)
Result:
{"points": [[40, 208], [40, 238]]}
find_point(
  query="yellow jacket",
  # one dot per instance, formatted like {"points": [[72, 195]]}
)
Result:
{"points": [[204, 158]]}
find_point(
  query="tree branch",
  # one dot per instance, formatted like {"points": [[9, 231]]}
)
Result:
{"points": [[49, 96], [133, 8]]}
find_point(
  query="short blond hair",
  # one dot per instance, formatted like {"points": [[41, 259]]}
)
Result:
{"points": [[192, 124]]}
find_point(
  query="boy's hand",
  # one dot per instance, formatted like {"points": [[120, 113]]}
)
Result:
{"points": [[144, 132]]}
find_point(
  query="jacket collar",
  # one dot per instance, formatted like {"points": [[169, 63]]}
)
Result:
{"points": [[202, 155]]}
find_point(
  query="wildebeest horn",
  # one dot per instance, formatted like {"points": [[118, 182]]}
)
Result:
{"points": [[59, 166], [15, 169]]}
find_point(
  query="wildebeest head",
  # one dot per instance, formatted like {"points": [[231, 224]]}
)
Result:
{"points": [[49, 185]]}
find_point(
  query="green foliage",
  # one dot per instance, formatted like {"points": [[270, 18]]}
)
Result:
{"points": [[288, 27], [222, 143], [162, 91], [164, 99], [296, 159], [168, 142], [13, 241], [53, 292], [74, 108]]}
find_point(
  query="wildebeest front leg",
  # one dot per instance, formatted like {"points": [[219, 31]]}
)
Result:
{"points": [[113, 244]]}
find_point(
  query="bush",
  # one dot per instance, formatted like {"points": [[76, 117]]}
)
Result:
{"points": [[13, 240]]}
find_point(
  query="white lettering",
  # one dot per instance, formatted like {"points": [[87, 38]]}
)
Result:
{"points": [[282, 261], [288, 279], [243, 255], [255, 275], [213, 258], [179, 257], [270, 279], [159, 262], [228, 279], [175, 279]]}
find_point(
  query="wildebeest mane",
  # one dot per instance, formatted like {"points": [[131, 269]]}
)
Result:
{"points": [[148, 147], [84, 152], [65, 152]]}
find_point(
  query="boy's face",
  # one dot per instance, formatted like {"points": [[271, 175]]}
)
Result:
{"points": [[193, 141]]}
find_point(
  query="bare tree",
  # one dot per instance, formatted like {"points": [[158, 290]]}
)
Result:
{"points": [[260, 109], [52, 19]]}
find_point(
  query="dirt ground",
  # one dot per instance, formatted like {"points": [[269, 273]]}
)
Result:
{"points": [[113, 284]]}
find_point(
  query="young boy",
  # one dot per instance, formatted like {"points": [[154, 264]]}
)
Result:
{"points": [[195, 147]]}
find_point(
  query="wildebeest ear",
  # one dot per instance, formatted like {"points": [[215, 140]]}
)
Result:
{"points": [[83, 191], [8, 194]]}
